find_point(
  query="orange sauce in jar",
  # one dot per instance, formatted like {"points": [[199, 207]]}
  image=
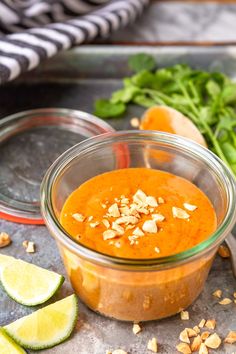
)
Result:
{"points": [[138, 213]]}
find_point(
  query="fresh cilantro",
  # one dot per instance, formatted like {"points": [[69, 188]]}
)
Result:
{"points": [[107, 109], [207, 98], [141, 61]]}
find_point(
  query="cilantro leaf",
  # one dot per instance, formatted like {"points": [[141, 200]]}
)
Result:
{"points": [[141, 61], [124, 95], [213, 89], [106, 109], [229, 94]]}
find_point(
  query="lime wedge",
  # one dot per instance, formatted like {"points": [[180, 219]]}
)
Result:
{"points": [[28, 284], [8, 346], [4, 261], [46, 327]]}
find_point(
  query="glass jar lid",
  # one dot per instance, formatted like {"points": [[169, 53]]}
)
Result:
{"points": [[30, 142]]}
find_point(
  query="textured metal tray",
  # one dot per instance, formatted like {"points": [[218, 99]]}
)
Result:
{"points": [[74, 80]]}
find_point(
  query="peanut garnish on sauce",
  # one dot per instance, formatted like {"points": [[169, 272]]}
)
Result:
{"points": [[180, 213], [78, 217], [140, 208], [108, 234], [189, 207], [150, 226]]}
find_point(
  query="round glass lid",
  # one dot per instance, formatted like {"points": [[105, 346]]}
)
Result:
{"points": [[30, 142]]}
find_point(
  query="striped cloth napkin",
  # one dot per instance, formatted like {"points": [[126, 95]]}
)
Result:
{"points": [[33, 30]]}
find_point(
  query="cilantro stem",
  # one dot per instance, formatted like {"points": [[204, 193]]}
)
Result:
{"points": [[204, 124]]}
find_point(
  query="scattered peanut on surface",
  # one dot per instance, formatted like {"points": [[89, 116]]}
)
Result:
{"points": [[5, 239]]}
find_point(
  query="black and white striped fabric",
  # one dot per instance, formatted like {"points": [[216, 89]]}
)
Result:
{"points": [[33, 30]]}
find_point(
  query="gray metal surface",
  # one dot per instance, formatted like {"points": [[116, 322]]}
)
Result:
{"points": [[183, 21], [74, 80]]}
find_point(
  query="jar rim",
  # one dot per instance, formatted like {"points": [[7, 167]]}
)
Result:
{"points": [[217, 166]]}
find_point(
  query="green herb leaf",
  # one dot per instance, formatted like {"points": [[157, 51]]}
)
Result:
{"points": [[144, 101], [213, 89], [141, 61], [106, 109], [229, 94], [143, 79], [125, 95]]}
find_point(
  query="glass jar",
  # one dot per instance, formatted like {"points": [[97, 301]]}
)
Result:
{"points": [[138, 289]]}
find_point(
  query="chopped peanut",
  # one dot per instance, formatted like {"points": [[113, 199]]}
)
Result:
{"points": [[191, 332], [106, 223], [113, 210], [205, 335], [78, 217], [217, 293], [30, 247], [211, 324], [94, 224], [109, 234], [127, 220], [119, 351], [158, 217], [134, 122], [196, 329], [197, 341], [213, 341], [151, 201], [183, 348], [138, 232], [119, 229], [25, 243], [150, 226], [136, 328], [139, 197], [184, 315], [179, 213], [5, 239], [160, 200], [152, 345], [225, 301], [203, 349], [184, 336], [202, 323], [189, 207], [231, 337]]}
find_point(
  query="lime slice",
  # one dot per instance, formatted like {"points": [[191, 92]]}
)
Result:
{"points": [[28, 284], [4, 261], [46, 327], [8, 346]]}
